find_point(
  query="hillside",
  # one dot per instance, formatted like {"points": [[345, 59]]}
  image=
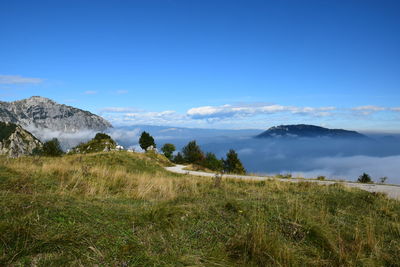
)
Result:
{"points": [[15, 141], [42, 113], [304, 130], [100, 143], [125, 209]]}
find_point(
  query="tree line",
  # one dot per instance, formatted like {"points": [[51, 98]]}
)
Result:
{"points": [[192, 154]]}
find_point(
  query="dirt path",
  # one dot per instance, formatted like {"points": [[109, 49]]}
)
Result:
{"points": [[392, 191]]}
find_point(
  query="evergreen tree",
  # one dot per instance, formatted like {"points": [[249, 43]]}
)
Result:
{"points": [[178, 159], [146, 140], [232, 164], [364, 178], [52, 148], [192, 153], [168, 149], [211, 162]]}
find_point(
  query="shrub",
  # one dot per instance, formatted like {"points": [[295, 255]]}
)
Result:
{"points": [[321, 178], [52, 148], [168, 149], [364, 178], [284, 176], [100, 136], [146, 140]]}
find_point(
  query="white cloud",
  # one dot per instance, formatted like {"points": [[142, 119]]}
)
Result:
{"points": [[121, 92], [131, 116], [90, 92], [242, 116], [250, 110], [119, 110], [151, 115], [17, 79], [367, 110]]}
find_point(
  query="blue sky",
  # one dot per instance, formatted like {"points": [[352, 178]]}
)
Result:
{"points": [[211, 64]]}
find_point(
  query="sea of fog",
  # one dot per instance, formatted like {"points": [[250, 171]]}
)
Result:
{"points": [[378, 155]]}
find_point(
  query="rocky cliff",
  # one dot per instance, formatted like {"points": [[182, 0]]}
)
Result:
{"points": [[15, 141], [44, 114]]}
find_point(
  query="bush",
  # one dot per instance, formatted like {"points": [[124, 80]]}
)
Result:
{"points": [[100, 136], [168, 149], [146, 140], [364, 178], [52, 148], [321, 178]]}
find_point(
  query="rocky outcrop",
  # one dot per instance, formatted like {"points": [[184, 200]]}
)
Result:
{"points": [[16, 142], [44, 114], [100, 143]]}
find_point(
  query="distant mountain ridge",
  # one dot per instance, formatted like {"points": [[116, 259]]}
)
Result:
{"points": [[43, 113], [305, 130]]}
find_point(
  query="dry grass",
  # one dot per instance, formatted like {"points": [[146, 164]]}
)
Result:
{"points": [[75, 176], [115, 209]]}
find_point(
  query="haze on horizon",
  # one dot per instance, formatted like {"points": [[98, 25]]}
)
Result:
{"points": [[209, 64]]}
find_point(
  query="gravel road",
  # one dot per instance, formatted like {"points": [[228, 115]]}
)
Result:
{"points": [[392, 191]]}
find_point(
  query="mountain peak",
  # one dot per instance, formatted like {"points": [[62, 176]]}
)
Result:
{"points": [[306, 130], [37, 113], [36, 97]]}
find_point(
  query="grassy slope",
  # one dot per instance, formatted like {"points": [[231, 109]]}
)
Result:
{"points": [[123, 209]]}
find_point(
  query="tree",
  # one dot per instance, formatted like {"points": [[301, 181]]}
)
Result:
{"points": [[192, 153], [146, 140], [232, 164], [168, 149], [383, 179], [178, 159], [52, 148], [211, 162], [364, 178]]}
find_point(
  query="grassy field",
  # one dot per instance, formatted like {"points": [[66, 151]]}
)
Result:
{"points": [[124, 209]]}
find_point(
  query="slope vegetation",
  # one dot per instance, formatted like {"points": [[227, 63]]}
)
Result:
{"points": [[124, 209], [15, 141]]}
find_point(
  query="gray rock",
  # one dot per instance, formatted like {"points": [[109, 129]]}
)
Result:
{"points": [[17, 142], [43, 113]]}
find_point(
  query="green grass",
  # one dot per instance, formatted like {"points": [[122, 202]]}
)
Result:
{"points": [[124, 209]]}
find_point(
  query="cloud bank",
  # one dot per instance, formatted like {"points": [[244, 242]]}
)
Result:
{"points": [[259, 115], [251, 110], [17, 79]]}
